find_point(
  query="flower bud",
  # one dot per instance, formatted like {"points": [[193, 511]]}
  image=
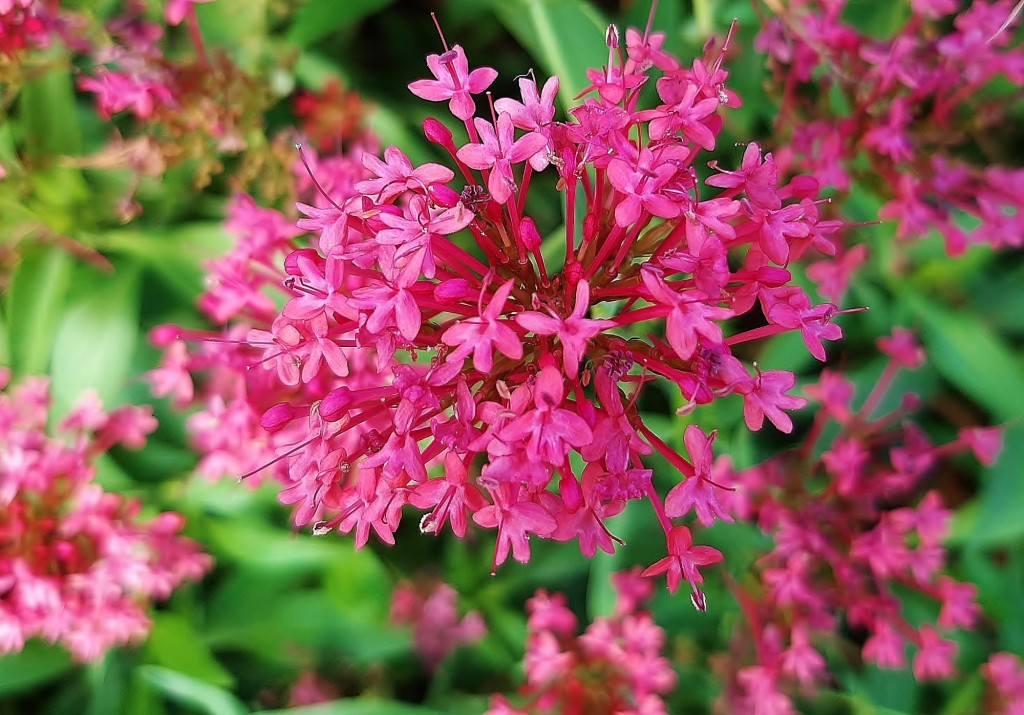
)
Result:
{"points": [[528, 232], [279, 416], [291, 263], [438, 133], [611, 37], [443, 195], [453, 289], [335, 405], [163, 335], [804, 186]]}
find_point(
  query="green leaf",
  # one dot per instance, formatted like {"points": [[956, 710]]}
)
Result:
{"points": [[969, 355], [358, 706], [250, 542], [5, 344], [35, 664], [565, 36], [34, 307], [317, 19], [47, 110], [96, 339], [193, 693], [175, 644], [176, 254], [997, 517]]}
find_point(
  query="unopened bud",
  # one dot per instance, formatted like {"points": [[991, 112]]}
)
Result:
{"points": [[531, 237], [804, 186], [444, 195], [453, 289], [611, 37], [163, 335], [278, 417], [335, 405], [438, 133], [291, 263]]}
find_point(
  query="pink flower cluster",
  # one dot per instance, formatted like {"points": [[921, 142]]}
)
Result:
{"points": [[1006, 673], [614, 667], [918, 105], [25, 23], [427, 328], [195, 106], [849, 535], [431, 609], [77, 566]]}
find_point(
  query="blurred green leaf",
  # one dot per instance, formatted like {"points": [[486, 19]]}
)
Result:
{"points": [[96, 338], [317, 19], [175, 644], [250, 542], [176, 253], [358, 706], [969, 355], [193, 693], [34, 306], [358, 583], [240, 26], [47, 111], [34, 665], [108, 682], [565, 36], [5, 344], [997, 516]]}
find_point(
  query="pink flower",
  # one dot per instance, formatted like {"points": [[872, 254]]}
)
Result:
{"points": [[176, 10], [361, 387], [697, 492], [573, 332], [454, 82], [683, 562], [514, 521], [497, 151], [431, 610], [549, 427], [478, 336]]}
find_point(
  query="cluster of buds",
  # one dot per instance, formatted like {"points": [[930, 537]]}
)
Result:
{"points": [[614, 666], [849, 535], [919, 103], [426, 326], [77, 565]]}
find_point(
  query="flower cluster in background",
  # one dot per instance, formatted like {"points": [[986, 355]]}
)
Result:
{"points": [[78, 565], [431, 610], [849, 534], [615, 666], [917, 114], [471, 326]]}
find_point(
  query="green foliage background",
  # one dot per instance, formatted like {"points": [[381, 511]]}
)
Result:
{"points": [[279, 602]]}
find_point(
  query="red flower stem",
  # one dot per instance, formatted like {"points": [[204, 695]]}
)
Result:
{"points": [[626, 246], [658, 506], [196, 35], [765, 331], [524, 188], [674, 458], [639, 315], [878, 391], [607, 247], [457, 258]]}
